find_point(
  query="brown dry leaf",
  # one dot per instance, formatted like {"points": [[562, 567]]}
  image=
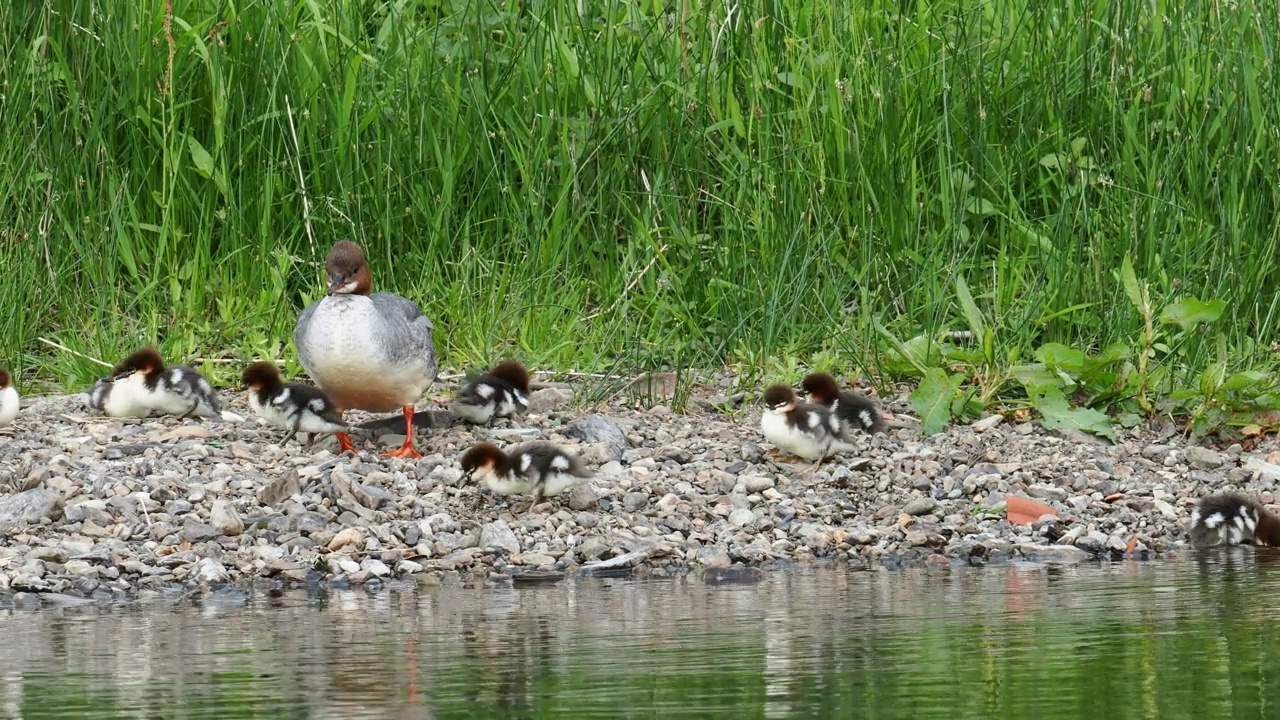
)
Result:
{"points": [[1251, 430], [1133, 543], [183, 433], [1024, 511], [1113, 497]]}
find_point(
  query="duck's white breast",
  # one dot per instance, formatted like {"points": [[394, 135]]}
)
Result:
{"points": [[360, 359]]}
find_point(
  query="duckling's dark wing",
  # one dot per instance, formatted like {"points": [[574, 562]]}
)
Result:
{"points": [[315, 402], [471, 393], [188, 382], [860, 412], [547, 458]]}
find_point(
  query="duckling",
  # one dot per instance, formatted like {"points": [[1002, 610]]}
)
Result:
{"points": [[501, 392], [852, 409], [141, 385], [293, 406], [1232, 518], [185, 392], [807, 431], [534, 467], [8, 398], [366, 351]]}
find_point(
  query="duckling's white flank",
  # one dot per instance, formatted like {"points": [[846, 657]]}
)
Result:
{"points": [[366, 351], [8, 399]]}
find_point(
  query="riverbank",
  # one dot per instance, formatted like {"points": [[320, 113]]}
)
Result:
{"points": [[102, 508]]}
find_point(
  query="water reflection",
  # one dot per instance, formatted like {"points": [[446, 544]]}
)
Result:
{"points": [[1192, 638]]}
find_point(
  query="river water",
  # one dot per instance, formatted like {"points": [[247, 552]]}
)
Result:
{"points": [[1193, 638]]}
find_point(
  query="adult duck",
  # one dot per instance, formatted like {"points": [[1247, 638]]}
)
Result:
{"points": [[365, 350]]}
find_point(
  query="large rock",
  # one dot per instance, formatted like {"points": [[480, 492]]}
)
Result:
{"points": [[499, 535], [225, 519], [30, 506], [599, 430], [282, 488]]}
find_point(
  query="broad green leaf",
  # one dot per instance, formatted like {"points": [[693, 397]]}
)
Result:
{"points": [[1129, 279], [914, 351], [969, 308], [932, 399], [1244, 379], [1057, 355], [201, 157], [1077, 146], [1189, 312], [1053, 161], [1035, 376], [1056, 412], [1114, 352], [981, 206]]}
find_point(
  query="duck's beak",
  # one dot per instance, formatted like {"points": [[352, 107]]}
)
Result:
{"points": [[335, 282]]}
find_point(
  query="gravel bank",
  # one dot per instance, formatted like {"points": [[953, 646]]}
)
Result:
{"points": [[92, 507]]}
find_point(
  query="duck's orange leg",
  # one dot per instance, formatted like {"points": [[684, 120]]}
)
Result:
{"points": [[344, 444], [406, 450]]}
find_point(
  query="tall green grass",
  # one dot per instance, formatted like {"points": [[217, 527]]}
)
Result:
{"points": [[641, 183]]}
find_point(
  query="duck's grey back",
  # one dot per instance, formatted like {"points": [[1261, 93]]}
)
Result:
{"points": [[407, 320]]}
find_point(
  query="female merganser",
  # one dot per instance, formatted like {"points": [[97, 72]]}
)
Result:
{"points": [[293, 406], [366, 351], [142, 384], [804, 430], [501, 392], [8, 399], [851, 408], [1233, 519], [535, 467]]}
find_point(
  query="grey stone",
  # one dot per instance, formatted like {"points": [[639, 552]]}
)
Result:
{"points": [[547, 399], [634, 501], [282, 488], [599, 430], [30, 506], [224, 518], [1047, 492], [674, 453], [194, 531], [210, 572], [499, 535], [1204, 458], [920, 506], [741, 518]]}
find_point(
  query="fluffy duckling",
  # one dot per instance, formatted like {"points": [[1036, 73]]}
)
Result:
{"points": [[539, 468], [1233, 519], [293, 406], [141, 385], [367, 351], [501, 392], [8, 398], [852, 409], [807, 431]]}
